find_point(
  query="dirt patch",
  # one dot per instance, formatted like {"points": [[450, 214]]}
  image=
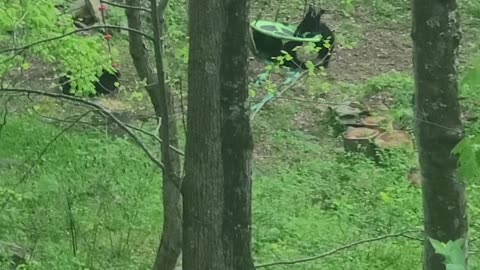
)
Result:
{"points": [[379, 51]]}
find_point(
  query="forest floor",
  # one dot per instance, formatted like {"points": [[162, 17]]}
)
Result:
{"points": [[309, 195]]}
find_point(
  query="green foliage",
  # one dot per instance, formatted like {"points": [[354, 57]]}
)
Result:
{"points": [[176, 45], [469, 148], [33, 21], [317, 198], [470, 82], [400, 87], [395, 10], [114, 194], [348, 6], [471, 8], [309, 192], [116, 16], [400, 84], [469, 156], [452, 251]]}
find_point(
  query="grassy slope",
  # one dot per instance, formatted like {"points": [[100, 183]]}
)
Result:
{"points": [[308, 196], [114, 193]]}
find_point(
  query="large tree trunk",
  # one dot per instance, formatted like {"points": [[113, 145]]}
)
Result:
{"points": [[237, 141], [436, 37], [217, 185], [203, 194], [163, 104]]}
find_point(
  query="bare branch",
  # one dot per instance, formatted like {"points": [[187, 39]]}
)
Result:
{"points": [[178, 151], [333, 251], [74, 32], [65, 120], [45, 149], [39, 158], [124, 6], [5, 114], [99, 108]]}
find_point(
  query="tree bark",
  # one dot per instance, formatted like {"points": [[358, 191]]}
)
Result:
{"points": [[140, 56], [161, 98], [237, 140], [217, 185], [203, 195], [436, 35]]}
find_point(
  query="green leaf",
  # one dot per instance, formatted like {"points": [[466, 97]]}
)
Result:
{"points": [[385, 197], [439, 247], [469, 155], [137, 96], [311, 68], [455, 251], [26, 66], [452, 251]]}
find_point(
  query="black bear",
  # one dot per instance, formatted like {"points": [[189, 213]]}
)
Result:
{"points": [[106, 84], [312, 26], [267, 46]]}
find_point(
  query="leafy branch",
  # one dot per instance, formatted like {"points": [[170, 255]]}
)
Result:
{"points": [[25, 47], [150, 134]]}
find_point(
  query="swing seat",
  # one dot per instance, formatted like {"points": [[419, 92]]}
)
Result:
{"points": [[280, 31], [271, 40]]}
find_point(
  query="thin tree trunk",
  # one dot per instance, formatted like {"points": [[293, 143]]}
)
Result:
{"points": [[237, 140], [140, 56], [436, 36], [171, 242], [163, 104]]}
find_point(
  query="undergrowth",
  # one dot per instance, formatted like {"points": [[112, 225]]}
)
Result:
{"points": [[88, 198], [102, 197]]}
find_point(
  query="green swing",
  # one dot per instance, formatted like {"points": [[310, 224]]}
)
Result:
{"points": [[280, 31], [271, 40]]}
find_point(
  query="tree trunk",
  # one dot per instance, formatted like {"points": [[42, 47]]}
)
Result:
{"points": [[237, 141], [171, 242], [140, 56], [436, 36], [217, 185], [203, 195]]}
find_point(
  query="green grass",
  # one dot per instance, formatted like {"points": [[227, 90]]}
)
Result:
{"points": [[115, 195], [308, 197]]}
